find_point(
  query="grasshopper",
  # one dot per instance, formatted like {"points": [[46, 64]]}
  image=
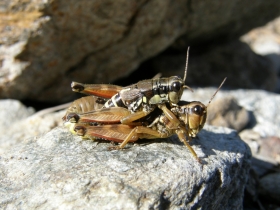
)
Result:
{"points": [[185, 119], [140, 98]]}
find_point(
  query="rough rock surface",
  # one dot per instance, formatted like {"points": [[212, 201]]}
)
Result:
{"points": [[59, 170], [19, 123], [266, 149], [47, 44], [226, 112], [12, 111]]}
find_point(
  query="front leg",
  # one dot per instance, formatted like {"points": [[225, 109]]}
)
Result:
{"points": [[170, 115], [181, 133]]}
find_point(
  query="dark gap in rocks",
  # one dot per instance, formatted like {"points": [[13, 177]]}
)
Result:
{"points": [[143, 72], [146, 69]]}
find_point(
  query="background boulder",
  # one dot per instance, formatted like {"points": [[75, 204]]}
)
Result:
{"points": [[46, 45]]}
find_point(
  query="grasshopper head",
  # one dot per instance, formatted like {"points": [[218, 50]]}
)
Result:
{"points": [[176, 88], [194, 116]]}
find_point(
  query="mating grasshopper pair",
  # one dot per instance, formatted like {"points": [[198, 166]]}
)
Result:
{"points": [[148, 109]]}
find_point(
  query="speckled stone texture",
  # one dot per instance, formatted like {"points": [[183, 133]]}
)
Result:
{"points": [[61, 171]]}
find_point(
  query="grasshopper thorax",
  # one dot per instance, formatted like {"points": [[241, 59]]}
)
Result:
{"points": [[167, 90]]}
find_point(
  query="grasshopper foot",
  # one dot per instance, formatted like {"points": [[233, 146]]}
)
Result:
{"points": [[114, 148]]}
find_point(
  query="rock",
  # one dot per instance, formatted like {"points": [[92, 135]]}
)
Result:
{"points": [[251, 196], [12, 111], [265, 41], [265, 151], [59, 170], [20, 124], [271, 148], [261, 163], [270, 187], [227, 113], [47, 44]]}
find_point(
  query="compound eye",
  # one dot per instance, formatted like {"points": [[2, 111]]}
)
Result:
{"points": [[198, 110], [176, 86]]}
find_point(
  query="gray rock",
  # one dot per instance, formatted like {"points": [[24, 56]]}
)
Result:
{"points": [[61, 171], [227, 113], [251, 191], [265, 151], [47, 44], [19, 123], [12, 111], [270, 187], [264, 40]]}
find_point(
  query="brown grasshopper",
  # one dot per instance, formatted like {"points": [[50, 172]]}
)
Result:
{"points": [[185, 120], [140, 98]]}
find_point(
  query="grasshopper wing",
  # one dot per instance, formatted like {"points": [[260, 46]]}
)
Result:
{"points": [[115, 132], [100, 90], [105, 115]]}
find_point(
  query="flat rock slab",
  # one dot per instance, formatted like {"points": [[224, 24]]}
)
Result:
{"points": [[61, 171]]}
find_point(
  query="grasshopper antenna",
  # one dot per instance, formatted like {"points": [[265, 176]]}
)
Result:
{"points": [[217, 91], [186, 70]]}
